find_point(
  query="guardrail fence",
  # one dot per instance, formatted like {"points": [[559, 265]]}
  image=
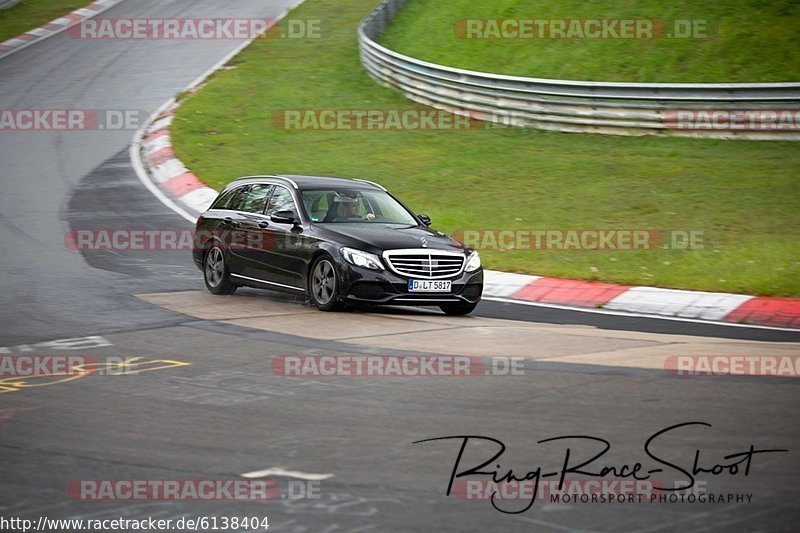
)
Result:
{"points": [[720, 110], [5, 4]]}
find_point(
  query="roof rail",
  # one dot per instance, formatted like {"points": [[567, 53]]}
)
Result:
{"points": [[270, 176], [372, 183]]}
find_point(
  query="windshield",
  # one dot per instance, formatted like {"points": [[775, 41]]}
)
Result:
{"points": [[355, 206]]}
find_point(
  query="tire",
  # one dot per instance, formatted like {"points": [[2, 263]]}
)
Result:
{"points": [[216, 273], [459, 309], [324, 283]]}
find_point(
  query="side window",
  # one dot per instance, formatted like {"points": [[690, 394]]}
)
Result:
{"points": [[316, 205], [255, 199], [237, 200], [225, 201], [281, 200]]}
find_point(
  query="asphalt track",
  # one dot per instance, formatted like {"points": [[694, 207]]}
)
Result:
{"points": [[226, 412]]}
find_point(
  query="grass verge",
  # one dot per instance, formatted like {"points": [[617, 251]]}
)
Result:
{"points": [[744, 195], [30, 14], [736, 40]]}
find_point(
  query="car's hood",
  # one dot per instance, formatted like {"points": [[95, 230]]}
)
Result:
{"points": [[376, 238]]}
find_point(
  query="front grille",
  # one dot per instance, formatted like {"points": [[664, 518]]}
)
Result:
{"points": [[425, 264]]}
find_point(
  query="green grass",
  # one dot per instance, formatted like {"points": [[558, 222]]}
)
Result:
{"points": [[30, 14], [747, 40], [745, 194]]}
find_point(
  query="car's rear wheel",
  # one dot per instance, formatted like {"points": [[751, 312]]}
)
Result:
{"points": [[324, 284], [216, 273], [458, 309]]}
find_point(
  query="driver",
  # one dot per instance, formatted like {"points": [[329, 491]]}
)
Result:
{"points": [[349, 211]]}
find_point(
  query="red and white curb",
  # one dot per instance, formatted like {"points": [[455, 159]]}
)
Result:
{"points": [[168, 173], [782, 313], [55, 26], [179, 189]]}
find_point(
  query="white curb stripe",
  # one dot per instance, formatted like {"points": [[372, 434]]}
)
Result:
{"points": [[503, 284], [41, 33], [199, 199], [686, 304], [170, 169], [161, 124], [159, 143]]}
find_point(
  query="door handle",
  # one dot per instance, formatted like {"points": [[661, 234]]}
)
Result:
{"points": [[228, 221], [263, 225]]}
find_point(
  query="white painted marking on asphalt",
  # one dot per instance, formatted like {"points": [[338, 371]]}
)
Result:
{"points": [[79, 343], [279, 471]]}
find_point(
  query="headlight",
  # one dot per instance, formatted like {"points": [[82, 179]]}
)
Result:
{"points": [[474, 262], [362, 259]]}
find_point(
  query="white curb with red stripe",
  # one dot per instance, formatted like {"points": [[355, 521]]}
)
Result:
{"points": [[55, 26], [686, 304], [721, 308], [638, 300]]}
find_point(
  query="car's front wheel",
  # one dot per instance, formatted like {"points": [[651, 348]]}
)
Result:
{"points": [[324, 284], [216, 273], [458, 309]]}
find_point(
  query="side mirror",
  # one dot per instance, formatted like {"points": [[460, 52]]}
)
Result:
{"points": [[425, 219], [285, 217]]}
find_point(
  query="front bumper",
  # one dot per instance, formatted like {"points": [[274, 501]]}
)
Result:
{"points": [[363, 285]]}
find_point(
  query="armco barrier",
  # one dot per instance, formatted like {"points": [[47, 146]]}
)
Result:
{"points": [[575, 106]]}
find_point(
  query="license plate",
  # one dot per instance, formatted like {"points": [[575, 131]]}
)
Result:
{"points": [[424, 285]]}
